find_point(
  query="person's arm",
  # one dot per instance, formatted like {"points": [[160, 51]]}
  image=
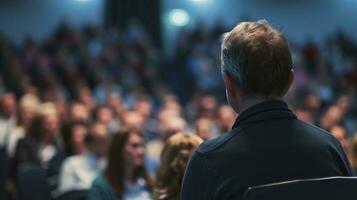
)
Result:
{"points": [[196, 183]]}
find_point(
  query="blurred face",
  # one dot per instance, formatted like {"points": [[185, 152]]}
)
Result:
{"points": [[100, 145], [85, 96], [8, 105], [50, 124], [79, 113], [226, 116], [332, 117], [208, 103], [61, 106], [172, 126], [27, 114], [344, 103], [105, 116], [134, 150], [114, 102], [340, 135], [312, 102], [133, 119], [99, 129], [144, 108], [204, 128], [78, 134]]}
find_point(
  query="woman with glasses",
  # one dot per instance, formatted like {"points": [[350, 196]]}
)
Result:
{"points": [[125, 177]]}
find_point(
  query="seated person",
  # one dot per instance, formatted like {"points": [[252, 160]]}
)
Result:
{"points": [[79, 171], [125, 177], [174, 158]]}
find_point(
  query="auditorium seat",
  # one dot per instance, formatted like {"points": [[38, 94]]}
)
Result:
{"points": [[74, 195], [32, 182], [330, 188], [3, 171]]}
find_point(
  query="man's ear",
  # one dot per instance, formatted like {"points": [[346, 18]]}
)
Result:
{"points": [[229, 83], [290, 81]]}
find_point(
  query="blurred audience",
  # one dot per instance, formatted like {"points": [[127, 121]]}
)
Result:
{"points": [[205, 128], [81, 83], [40, 147]]}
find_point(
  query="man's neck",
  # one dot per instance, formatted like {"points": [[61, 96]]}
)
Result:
{"points": [[249, 102]]}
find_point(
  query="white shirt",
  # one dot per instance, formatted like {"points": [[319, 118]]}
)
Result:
{"points": [[79, 171], [6, 126], [15, 135]]}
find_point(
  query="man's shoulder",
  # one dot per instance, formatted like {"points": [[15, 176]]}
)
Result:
{"points": [[317, 132], [218, 142]]}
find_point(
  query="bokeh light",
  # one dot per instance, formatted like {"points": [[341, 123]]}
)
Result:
{"points": [[179, 17]]}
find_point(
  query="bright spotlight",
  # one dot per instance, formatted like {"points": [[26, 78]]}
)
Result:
{"points": [[200, 1], [179, 17]]}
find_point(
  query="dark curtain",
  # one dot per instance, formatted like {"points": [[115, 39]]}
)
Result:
{"points": [[119, 12]]}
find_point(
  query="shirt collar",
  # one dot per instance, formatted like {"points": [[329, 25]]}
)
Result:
{"points": [[269, 109]]}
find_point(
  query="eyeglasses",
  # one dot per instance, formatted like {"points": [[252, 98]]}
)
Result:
{"points": [[136, 145]]}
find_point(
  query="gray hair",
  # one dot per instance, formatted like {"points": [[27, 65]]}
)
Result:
{"points": [[256, 57]]}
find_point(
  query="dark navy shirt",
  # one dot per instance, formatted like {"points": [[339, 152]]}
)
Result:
{"points": [[267, 144]]}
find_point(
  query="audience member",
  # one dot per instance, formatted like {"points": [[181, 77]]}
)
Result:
{"points": [[7, 118], [26, 111], [205, 128], [174, 158], [79, 171], [42, 144], [169, 127], [339, 132], [73, 135], [125, 177]]}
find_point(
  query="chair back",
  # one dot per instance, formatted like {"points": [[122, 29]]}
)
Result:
{"points": [[330, 188], [3, 171], [31, 182], [74, 195]]}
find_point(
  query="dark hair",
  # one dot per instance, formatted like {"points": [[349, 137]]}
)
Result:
{"points": [[257, 57], [36, 130], [67, 131], [115, 171], [97, 110]]}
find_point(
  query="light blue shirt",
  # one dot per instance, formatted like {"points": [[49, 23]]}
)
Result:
{"points": [[101, 190]]}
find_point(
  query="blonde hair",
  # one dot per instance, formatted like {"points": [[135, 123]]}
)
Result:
{"points": [[29, 100], [46, 109], [174, 159]]}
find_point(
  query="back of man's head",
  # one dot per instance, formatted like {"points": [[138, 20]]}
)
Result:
{"points": [[257, 58]]}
